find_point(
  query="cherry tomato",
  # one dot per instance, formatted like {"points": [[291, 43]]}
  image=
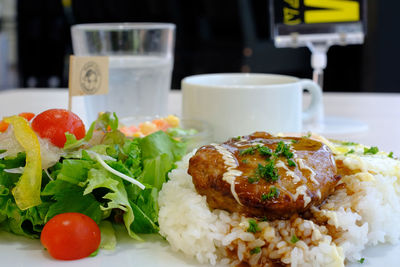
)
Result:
{"points": [[70, 236], [54, 123], [27, 115], [3, 126]]}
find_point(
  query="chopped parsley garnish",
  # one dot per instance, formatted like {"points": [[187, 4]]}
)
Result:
{"points": [[253, 226], [361, 260], [253, 179], [255, 250], [283, 149], [294, 239], [372, 150], [264, 151], [280, 148], [349, 144], [291, 163], [238, 138], [264, 219], [294, 141], [247, 151], [390, 155], [349, 152], [273, 192], [267, 172], [288, 154], [244, 161], [308, 135]]}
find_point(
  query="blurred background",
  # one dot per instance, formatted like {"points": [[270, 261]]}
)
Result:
{"points": [[211, 36]]}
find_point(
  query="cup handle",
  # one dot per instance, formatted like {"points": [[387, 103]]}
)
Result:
{"points": [[316, 98]]}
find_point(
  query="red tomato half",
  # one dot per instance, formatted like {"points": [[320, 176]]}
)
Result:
{"points": [[54, 123], [27, 115], [3, 126], [70, 236]]}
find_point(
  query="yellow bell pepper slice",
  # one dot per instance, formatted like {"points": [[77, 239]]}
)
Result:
{"points": [[27, 190]]}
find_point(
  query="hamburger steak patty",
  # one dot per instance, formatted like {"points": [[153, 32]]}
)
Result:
{"points": [[264, 176]]}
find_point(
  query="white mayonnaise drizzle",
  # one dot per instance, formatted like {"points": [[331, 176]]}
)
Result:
{"points": [[302, 190], [247, 143], [231, 173], [281, 164], [242, 143], [333, 160], [326, 148], [303, 166]]}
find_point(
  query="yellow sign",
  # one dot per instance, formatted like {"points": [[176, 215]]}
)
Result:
{"points": [[320, 11], [88, 75], [331, 11], [291, 16]]}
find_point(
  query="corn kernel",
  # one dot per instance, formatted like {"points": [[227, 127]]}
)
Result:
{"points": [[137, 134], [172, 120], [148, 128]]}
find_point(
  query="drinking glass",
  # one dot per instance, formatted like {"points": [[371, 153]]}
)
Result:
{"points": [[140, 65]]}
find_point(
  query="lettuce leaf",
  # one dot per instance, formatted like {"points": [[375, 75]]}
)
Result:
{"points": [[132, 150], [69, 197], [118, 198], [159, 152], [159, 143], [108, 238], [29, 222], [155, 170], [72, 142], [145, 209], [74, 171], [142, 223], [106, 122]]}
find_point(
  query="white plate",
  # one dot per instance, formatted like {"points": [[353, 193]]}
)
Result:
{"points": [[23, 252], [155, 251]]}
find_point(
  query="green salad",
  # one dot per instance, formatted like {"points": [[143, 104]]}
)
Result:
{"points": [[105, 175]]}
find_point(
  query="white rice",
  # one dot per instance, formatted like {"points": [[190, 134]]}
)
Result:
{"points": [[366, 211]]}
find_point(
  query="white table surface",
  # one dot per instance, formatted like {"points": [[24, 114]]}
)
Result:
{"points": [[381, 112]]}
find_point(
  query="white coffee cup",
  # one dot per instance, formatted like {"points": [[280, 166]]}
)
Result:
{"points": [[238, 104]]}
